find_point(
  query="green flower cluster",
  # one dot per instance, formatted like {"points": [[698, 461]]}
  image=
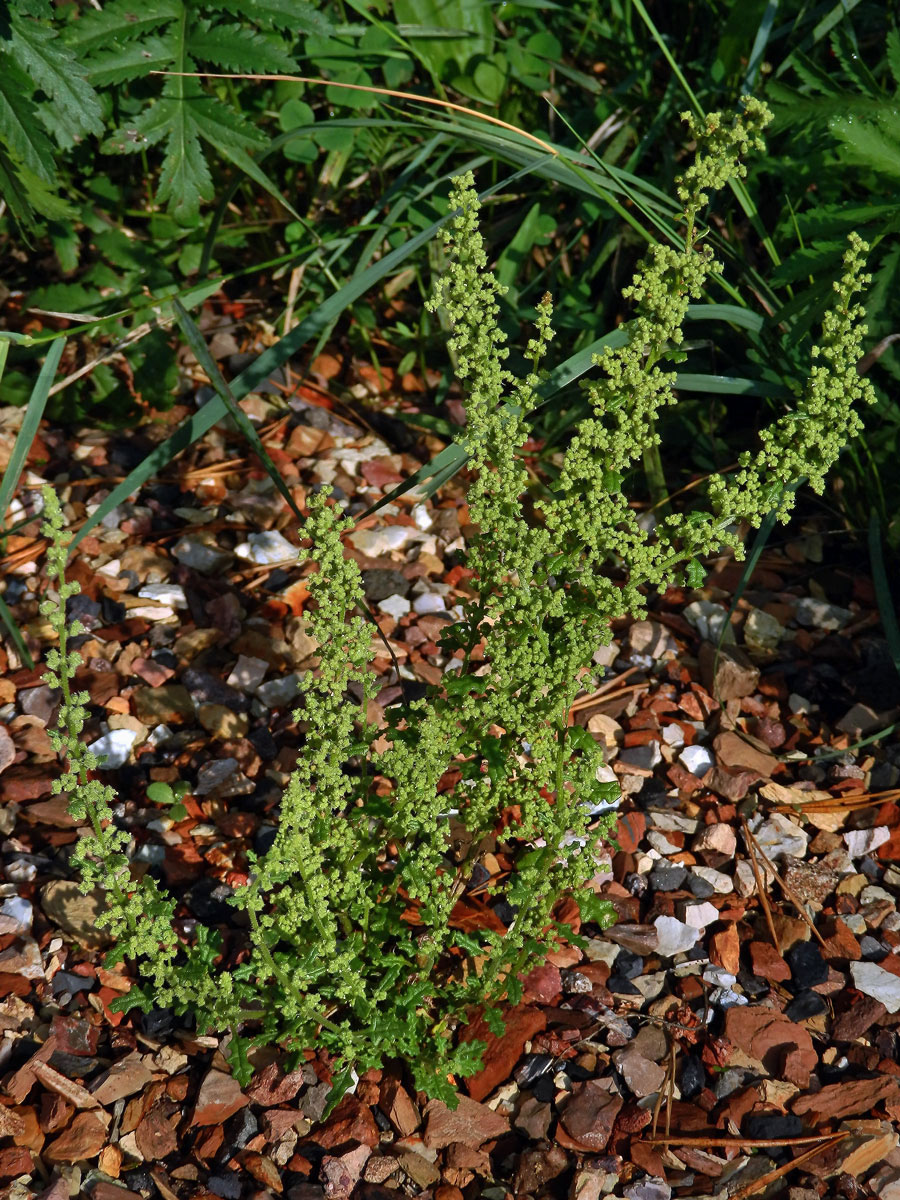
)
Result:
{"points": [[361, 936]]}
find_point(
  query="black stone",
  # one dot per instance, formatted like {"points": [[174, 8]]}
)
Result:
{"points": [[209, 689], [277, 580], [505, 911], [805, 1005], [544, 1089], [752, 985], [668, 878], [769, 1126], [693, 1077], [112, 611], [701, 888], [870, 868], [239, 1130], [207, 900], [621, 985], [225, 1184], [15, 590], [263, 743], [263, 838], [578, 1074], [166, 658], [379, 584], [871, 949], [628, 965], [68, 981], [807, 966], [81, 606], [635, 883], [157, 1023], [532, 1069], [139, 1179], [74, 1066]]}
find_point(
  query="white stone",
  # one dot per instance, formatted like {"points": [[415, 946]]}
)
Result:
{"points": [[709, 620], [698, 916], [744, 879], [247, 673], [650, 986], [114, 747], [718, 976], [660, 842], [670, 821], [726, 998], [673, 735], [278, 692], [855, 922], [421, 516], [600, 950], [429, 602], [761, 630], [267, 548], [16, 916], [799, 705], [719, 840], [379, 542], [164, 593], [200, 557], [719, 880], [875, 981], [873, 894], [674, 936], [33, 967], [819, 614], [779, 836], [696, 759], [394, 606], [864, 841], [20, 870]]}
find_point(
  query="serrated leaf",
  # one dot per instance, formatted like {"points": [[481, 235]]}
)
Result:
{"points": [[132, 61], [295, 15], [20, 129], [873, 144], [185, 178], [811, 260], [42, 9], [239, 49], [54, 68], [892, 47], [119, 21], [150, 127]]}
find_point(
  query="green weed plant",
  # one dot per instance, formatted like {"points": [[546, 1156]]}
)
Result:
{"points": [[353, 945]]}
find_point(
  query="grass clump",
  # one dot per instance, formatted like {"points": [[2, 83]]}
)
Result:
{"points": [[355, 942]]}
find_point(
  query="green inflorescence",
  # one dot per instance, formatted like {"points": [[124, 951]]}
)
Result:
{"points": [[356, 937]]}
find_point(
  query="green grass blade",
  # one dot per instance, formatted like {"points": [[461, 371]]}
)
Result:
{"points": [[667, 55], [743, 317], [758, 50], [886, 609], [729, 385], [201, 422], [30, 422], [14, 635], [194, 339]]}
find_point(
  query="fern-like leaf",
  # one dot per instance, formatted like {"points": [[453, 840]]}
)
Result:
{"points": [[294, 15], [874, 144], [119, 22], [237, 49], [27, 193], [20, 128], [130, 61], [75, 110]]}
